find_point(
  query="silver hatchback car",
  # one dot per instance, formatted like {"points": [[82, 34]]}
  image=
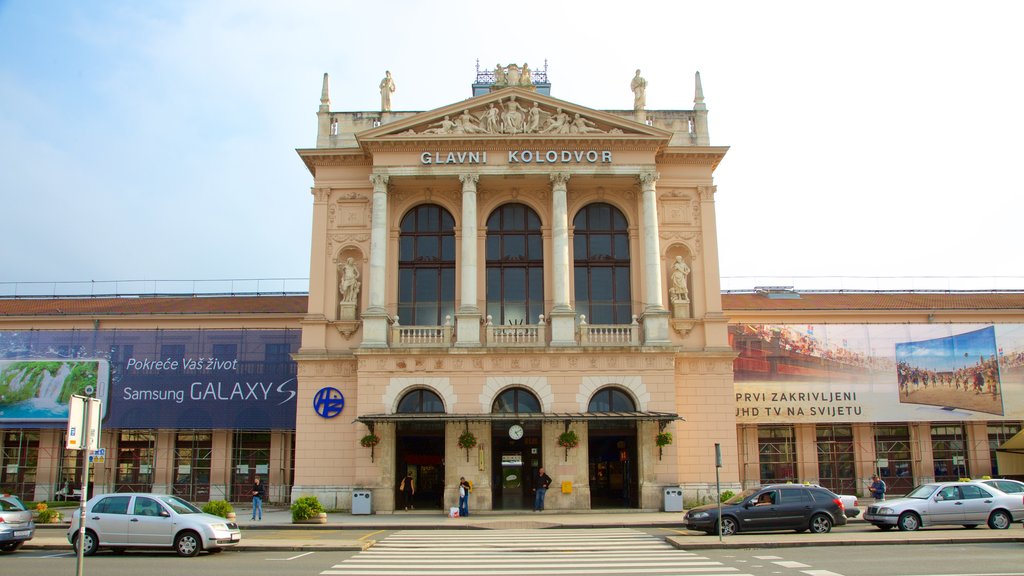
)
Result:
{"points": [[16, 525], [122, 521], [969, 504]]}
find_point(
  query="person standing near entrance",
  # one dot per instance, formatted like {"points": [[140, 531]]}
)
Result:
{"points": [[407, 488], [541, 488], [258, 494], [464, 489]]}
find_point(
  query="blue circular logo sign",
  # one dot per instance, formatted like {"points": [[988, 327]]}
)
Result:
{"points": [[329, 402]]}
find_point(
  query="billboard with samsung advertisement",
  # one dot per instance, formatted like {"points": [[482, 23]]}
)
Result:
{"points": [[789, 373], [175, 379]]}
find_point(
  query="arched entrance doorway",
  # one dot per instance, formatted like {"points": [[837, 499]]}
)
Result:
{"points": [[517, 450], [612, 449], [419, 451]]}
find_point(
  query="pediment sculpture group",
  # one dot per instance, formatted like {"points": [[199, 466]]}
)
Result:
{"points": [[508, 116]]}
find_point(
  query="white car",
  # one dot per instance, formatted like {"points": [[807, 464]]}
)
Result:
{"points": [[16, 525], [969, 504], [850, 505], [122, 521]]}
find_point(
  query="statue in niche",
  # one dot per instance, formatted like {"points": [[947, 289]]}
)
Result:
{"points": [[349, 281], [387, 86], [639, 88], [677, 291]]}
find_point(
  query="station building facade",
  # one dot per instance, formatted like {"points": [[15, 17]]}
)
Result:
{"points": [[507, 283]]}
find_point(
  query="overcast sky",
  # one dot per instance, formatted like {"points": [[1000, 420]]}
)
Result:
{"points": [[155, 140]]}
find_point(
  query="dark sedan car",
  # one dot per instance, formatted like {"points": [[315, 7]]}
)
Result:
{"points": [[777, 507]]}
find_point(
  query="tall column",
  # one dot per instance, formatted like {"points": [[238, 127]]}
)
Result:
{"points": [[563, 318], [655, 315], [467, 319], [375, 318]]}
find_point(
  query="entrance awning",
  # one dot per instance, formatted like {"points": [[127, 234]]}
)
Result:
{"points": [[1010, 456], [663, 418]]}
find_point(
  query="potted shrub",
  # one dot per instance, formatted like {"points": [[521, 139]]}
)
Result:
{"points": [[220, 508], [47, 515], [308, 510], [567, 440]]}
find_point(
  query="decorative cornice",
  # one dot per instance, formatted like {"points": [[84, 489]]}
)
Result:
{"points": [[468, 144], [703, 155]]}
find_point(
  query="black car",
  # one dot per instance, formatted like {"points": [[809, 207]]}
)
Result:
{"points": [[775, 507]]}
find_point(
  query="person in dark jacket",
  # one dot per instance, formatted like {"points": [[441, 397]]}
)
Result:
{"points": [[540, 489], [407, 488], [258, 494]]}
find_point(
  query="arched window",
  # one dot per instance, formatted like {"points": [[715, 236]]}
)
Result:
{"points": [[611, 400], [426, 266], [601, 265], [419, 401], [516, 401], [515, 265]]}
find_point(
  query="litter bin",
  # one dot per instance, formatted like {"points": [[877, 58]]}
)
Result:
{"points": [[362, 502], [673, 499]]}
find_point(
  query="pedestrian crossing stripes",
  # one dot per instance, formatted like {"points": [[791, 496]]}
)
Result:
{"points": [[589, 552]]}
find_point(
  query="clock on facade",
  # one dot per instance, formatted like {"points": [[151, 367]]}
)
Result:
{"points": [[515, 432]]}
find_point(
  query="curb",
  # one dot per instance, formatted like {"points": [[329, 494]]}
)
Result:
{"points": [[676, 542]]}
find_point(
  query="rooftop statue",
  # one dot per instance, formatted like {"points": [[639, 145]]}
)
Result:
{"points": [[513, 75], [639, 88], [387, 86]]}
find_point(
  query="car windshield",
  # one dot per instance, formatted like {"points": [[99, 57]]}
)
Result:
{"points": [[741, 496], [180, 506], [9, 503], [923, 492]]}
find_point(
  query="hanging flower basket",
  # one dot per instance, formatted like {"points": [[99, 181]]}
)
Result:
{"points": [[467, 441], [662, 439], [567, 440], [369, 441]]}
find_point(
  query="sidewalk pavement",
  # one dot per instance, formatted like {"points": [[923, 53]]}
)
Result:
{"points": [[342, 531]]}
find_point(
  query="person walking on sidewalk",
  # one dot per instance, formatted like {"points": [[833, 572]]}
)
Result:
{"points": [[258, 494], [464, 489], [541, 489], [407, 488]]}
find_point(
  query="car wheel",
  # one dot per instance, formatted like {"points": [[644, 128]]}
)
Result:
{"points": [[999, 520], [188, 544], [91, 543], [884, 527], [909, 522], [7, 547], [729, 526], [821, 524]]}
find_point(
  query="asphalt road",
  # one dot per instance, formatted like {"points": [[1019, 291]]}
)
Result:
{"points": [[576, 552]]}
